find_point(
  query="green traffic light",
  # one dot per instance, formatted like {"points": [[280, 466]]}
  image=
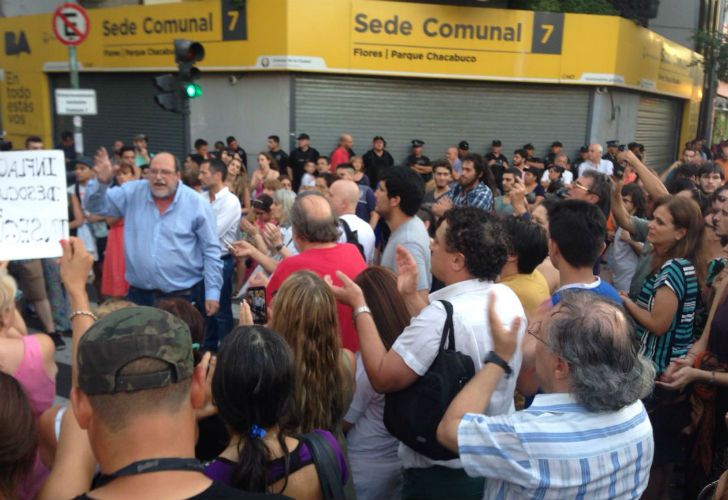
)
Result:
{"points": [[193, 90]]}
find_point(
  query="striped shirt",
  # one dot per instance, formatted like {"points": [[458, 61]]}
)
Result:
{"points": [[679, 276], [558, 449]]}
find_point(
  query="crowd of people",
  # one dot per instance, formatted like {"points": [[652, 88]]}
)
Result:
{"points": [[476, 326]]}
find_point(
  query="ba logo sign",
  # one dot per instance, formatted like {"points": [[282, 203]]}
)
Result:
{"points": [[16, 44]]}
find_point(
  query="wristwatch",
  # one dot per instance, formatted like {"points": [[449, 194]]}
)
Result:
{"points": [[360, 310], [492, 357], [278, 247]]}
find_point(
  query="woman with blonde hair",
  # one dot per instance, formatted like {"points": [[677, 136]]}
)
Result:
{"points": [[237, 182], [304, 313]]}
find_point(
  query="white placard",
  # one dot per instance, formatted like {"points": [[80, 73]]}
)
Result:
{"points": [[33, 204], [70, 102]]}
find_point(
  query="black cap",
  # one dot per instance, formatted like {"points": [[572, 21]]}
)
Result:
{"points": [[496, 143], [528, 146], [417, 143], [302, 137], [84, 160], [557, 144], [612, 144], [464, 145], [263, 202]]}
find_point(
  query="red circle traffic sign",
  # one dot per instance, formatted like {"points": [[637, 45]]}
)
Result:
{"points": [[70, 24]]}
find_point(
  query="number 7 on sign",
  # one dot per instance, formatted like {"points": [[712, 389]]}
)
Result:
{"points": [[548, 29], [548, 32]]}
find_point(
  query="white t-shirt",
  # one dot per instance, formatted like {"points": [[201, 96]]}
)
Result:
{"points": [[372, 449], [364, 233], [418, 345], [308, 180], [604, 166], [566, 177]]}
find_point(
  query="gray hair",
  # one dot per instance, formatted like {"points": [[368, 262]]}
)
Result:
{"points": [[314, 229], [597, 340], [285, 199]]}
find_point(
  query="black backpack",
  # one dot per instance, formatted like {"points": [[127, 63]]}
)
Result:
{"points": [[352, 237], [413, 414]]}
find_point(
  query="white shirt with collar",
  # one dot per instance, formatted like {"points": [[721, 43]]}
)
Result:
{"points": [[227, 211], [419, 343], [604, 166], [364, 233]]}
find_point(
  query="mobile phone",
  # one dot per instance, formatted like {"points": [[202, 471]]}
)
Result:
{"points": [[619, 170], [255, 297]]}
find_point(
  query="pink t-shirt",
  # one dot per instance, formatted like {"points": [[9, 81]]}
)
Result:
{"points": [[41, 390]]}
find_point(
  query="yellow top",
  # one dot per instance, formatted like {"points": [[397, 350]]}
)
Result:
{"points": [[531, 289]]}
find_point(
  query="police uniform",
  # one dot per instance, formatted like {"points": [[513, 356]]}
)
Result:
{"points": [[609, 156], [422, 160]]}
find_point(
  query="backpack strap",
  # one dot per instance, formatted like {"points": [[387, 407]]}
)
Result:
{"points": [[327, 466], [448, 331]]}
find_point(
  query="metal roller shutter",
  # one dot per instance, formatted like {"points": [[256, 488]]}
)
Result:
{"points": [[658, 120], [126, 108], [439, 112]]}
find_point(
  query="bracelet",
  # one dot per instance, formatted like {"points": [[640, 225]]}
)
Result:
{"points": [[360, 310], [83, 313]]}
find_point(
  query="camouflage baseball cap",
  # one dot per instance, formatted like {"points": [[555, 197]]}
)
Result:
{"points": [[128, 335]]}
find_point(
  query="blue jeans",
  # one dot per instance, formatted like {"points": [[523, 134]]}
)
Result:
{"points": [[219, 325], [195, 295]]}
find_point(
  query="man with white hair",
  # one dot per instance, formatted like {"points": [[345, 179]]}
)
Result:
{"points": [[594, 161], [345, 198]]}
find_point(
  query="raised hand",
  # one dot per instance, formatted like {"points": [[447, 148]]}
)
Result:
{"points": [[505, 341], [407, 272], [348, 293], [76, 264], [102, 166]]}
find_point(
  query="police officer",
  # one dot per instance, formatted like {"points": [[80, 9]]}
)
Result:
{"points": [[419, 162], [299, 156], [611, 154], [497, 162]]}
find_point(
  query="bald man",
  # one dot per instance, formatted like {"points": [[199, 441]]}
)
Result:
{"points": [[170, 236], [316, 234], [594, 161], [343, 152], [345, 199]]}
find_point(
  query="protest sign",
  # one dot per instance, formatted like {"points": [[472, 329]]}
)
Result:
{"points": [[33, 204]]}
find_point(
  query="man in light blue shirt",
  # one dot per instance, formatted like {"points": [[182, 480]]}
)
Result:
{"points": [[170, 236], [588, 435]]}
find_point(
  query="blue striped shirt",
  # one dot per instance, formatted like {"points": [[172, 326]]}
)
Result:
{"points": [[171, 251], [679, 276], [558, 449]]}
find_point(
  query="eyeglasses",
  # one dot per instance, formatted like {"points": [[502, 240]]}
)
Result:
{"points": [[581, 186], [164, 173], [533, 328]]}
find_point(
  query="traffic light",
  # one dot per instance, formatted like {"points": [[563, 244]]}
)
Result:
{"points": [[169, 99], [177, 89], [186, 54]]}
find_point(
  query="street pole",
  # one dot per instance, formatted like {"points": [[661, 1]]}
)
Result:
{"points": [[77, 120], [187, 128]]}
